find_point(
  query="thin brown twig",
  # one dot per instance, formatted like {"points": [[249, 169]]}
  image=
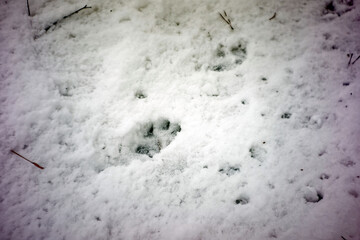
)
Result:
{"points": [[356, 59], [57, 21], [28, 7], [350, 55], [228, 21], [34, 163], [272, 17]]}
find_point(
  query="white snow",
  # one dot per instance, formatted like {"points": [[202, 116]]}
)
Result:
{"points": [[154, 120]]}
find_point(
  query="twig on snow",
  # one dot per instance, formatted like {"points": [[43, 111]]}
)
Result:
{"points": [[228, 21], [356, 59], [343, 238], [34, 163], [57, 21], [350, 55], [272, 17], [28, 7]]}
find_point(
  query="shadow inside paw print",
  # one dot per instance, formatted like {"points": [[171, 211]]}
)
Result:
{"points": [[155, 136], [243, 199]]}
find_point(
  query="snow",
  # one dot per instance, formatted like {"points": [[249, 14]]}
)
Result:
{"points": [[154, 120]]}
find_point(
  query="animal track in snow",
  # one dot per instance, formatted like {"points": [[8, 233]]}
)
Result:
{"points": [[230, 170], [152, 137], [226, 58]]}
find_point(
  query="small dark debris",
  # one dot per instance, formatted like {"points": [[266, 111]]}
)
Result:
{"points": [[264, 79], [301, 169], [272, 17], [346, 84], [205, 166], [98, 219]]}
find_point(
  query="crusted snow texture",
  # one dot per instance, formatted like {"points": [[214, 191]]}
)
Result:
{"points": [[155, 120]]}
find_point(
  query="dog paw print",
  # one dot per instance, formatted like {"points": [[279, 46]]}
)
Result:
{"points": [[226, 58], [239, 51], [152, 137]]}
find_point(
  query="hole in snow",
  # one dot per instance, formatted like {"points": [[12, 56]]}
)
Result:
{"points": [[140, 95], [311, 195], [242, 200]]}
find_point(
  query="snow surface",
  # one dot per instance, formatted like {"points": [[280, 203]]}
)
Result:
{"points": [[154, 120]]}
